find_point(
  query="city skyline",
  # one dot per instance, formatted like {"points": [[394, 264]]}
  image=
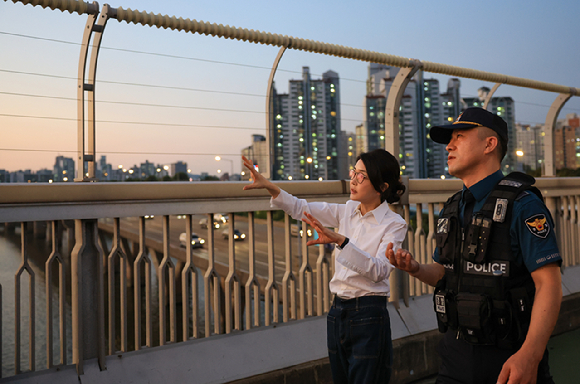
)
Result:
{"points": [[168, 96]]}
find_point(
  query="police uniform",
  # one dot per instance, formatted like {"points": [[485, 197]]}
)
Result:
{"points": [[483, 304]]}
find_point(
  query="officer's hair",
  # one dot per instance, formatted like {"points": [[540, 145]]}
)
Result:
{"points": [[485, 132], [382, 167]]}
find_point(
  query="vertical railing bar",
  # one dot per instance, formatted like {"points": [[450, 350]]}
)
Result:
{"points": [[305, 276], [410, 246], [573, 220], [48, 289], [55, 255], [62, 299], [577, 231], [189, 271], [137, 284], [289, 280], [161, 286], [321, 262], [565, 230], [232, 279], [271, 293], [166, 278], [142, 258], [430, 243], [118, 252], [24, 266], [211, 277], [110, 285], [252, 281], [417, 250], [123, 260]]}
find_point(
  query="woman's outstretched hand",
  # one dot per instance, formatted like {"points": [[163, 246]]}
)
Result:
{"points": [[325, 235], [259, 181]]}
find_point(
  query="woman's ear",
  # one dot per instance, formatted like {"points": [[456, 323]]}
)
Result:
{"points": [[384, 187]]}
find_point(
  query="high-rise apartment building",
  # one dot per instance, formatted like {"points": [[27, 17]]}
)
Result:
{"points": [[567, 143], [147, 169], [306, 124], [421, 108], [503, 107], [529, 147], [178, 167], [258, 153], [64, 169], [349, 139]]}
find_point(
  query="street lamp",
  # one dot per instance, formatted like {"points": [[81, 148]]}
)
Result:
{"points": [[218, 158], [520, 154]]}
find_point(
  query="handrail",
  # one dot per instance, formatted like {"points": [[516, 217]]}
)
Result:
{"points": [[258, 37], [219, 30], [26, 193], [71, 6]]}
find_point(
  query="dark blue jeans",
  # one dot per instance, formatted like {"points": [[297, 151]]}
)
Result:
{"points": [[359, 340]]}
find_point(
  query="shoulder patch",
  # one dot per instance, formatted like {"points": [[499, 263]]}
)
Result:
{"points": [[522, 195], [538, 225], [510, 183]]}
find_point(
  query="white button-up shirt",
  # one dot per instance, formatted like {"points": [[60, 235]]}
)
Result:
{"points": [[361, 267]]}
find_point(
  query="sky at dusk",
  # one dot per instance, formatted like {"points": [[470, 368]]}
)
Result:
{"points": [[166, 96]]}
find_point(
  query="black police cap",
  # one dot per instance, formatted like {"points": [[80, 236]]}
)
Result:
{"points": [[470, 118]]}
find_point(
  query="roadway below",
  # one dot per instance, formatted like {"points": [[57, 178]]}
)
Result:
{"points": [[154, 241]]}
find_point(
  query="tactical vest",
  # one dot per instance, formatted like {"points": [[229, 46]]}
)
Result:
{"points": [[485, 295]]}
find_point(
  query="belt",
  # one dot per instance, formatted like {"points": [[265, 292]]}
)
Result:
{"points": [[363, 301]]}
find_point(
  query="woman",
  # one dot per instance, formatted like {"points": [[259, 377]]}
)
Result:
{"points": [[358, 331]]}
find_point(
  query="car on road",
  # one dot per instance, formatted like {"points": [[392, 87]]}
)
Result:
{"points": [[221, 217], [196, 241], [294, 230], [203, 223], [238, 236]]}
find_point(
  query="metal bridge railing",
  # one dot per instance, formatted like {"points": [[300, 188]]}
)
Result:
{"points": [[132, 286]]}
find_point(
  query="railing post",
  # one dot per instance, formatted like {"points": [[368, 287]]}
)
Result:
{"points": [[89, 155], [393, 104], [549, 165], [269, 106], [490, 95], [88, 330]]}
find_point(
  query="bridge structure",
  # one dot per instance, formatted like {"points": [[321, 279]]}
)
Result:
{"points": [[212, 321]]}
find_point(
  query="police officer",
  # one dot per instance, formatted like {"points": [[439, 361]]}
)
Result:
{"points": [[496, 270]]}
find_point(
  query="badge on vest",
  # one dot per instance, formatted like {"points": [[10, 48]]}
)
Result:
{"points": [[500, 210], [488, 269], [443, 225], [440, 303], [538, 225]]}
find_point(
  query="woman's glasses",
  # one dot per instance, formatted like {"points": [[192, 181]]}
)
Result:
{"points": [[360, 177]]}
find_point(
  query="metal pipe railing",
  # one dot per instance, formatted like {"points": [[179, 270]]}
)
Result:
{"points": [[277, 269], [71, 6]]}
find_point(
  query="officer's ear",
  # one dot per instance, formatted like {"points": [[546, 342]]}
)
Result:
{"points": [[491, 143]]}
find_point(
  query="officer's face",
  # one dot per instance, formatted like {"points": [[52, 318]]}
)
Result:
{"points": [[465, 152]]}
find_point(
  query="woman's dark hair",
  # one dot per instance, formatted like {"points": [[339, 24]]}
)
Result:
{"points": [[382, 167]]}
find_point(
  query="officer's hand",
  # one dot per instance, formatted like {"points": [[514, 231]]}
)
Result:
{"points": [[402, 259], [519, 369]]}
